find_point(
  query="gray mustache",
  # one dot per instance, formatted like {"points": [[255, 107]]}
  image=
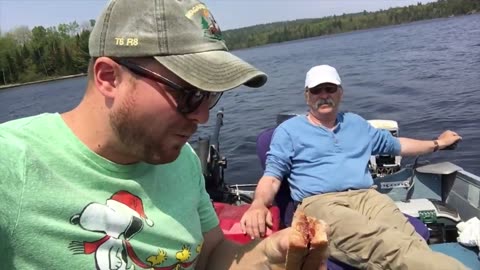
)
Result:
{"points": [[322, 101]]}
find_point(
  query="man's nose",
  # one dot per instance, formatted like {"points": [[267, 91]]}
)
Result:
{"points": [[323, 94], [201, 114]]}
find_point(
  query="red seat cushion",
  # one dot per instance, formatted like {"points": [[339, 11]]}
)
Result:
{"points": [[230, 216]]}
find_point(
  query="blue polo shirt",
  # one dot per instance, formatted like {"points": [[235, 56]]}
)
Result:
{"points": [[317, 160]]}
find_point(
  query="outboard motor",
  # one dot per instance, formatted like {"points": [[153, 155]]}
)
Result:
{"points": [[382, 165]]}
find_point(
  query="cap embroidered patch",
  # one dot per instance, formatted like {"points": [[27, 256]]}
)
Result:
{"points": [[208, 23], [210, 26]]}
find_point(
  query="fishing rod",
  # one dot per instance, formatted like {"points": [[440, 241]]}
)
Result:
{"points": [[216, 163], [212, 162], [213, 165]]}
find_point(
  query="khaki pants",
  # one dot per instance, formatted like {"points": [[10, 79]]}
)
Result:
{"points": [[368, 231]]}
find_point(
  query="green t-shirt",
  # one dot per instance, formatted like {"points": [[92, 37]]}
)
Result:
{"points": [[65, 207]]}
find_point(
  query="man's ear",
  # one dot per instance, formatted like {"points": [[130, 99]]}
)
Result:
{"points": [[106, 76]]}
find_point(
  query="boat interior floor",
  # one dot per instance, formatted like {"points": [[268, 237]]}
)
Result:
{"points": [[468, 256]]}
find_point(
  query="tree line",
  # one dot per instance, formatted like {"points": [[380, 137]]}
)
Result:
{"points": [[306, 28], [40, 53]]}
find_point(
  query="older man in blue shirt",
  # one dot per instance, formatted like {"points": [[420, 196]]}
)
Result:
{"points": [[324, 156]]}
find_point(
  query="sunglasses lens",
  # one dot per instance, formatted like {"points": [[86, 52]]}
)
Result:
{"points": [[331, 89], [213, 99], [328, 89], [315, 91], [192, 99], [195, 98]]}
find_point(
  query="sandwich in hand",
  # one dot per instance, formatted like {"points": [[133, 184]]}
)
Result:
{"points": [[308, 243]]}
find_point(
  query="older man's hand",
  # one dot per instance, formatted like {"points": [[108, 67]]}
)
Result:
{"points": [[256, 220], [448, 138]]}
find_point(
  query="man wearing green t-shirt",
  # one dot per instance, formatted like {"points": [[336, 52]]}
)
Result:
{"points": [[113, 183]]}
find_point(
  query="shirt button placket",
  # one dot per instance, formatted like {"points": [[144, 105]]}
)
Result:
{"points": [[335, 143]]}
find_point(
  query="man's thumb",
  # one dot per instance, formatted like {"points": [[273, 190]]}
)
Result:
{"points": [[276, 246]]}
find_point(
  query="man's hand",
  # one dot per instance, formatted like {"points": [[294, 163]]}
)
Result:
{"points": [[447, 138], [262, 254], [256, 220], [276, 247], [304, 246]]}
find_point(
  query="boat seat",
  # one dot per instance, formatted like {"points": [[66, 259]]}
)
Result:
{"points": [[286, 206]]}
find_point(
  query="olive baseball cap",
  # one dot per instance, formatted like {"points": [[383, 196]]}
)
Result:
{"points": [[180, 34]]}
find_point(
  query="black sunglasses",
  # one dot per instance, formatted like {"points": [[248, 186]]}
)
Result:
{"points": [[330, 89], [188, 99]]}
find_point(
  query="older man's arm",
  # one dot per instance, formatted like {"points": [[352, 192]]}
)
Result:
{"points": [[412, 147]]}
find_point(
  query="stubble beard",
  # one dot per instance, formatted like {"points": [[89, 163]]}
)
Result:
{"points": [[134, 135]]}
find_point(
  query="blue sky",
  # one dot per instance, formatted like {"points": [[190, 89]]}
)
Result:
{"points": [[228, 13]]}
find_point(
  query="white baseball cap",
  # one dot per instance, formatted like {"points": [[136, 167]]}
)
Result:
{"points": [[322, 74]]}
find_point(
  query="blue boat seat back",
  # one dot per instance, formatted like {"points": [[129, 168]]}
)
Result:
{"points": [[282, 199]]}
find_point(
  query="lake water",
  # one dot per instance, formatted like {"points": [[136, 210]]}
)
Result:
{"points": [[425, 75]]}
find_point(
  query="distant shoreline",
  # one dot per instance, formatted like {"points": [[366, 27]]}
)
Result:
{"points": [[8, 86]]}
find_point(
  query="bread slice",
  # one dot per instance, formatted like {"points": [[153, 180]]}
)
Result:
{"points": [[318, 252], [308, 243]]}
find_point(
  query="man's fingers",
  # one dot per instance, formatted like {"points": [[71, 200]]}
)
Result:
{"points": [[276, 247], [269, 220], [255, 222], [455, 135], [316, 258], [243, 221], [254, 226], [247, 223], [262, 226]]}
